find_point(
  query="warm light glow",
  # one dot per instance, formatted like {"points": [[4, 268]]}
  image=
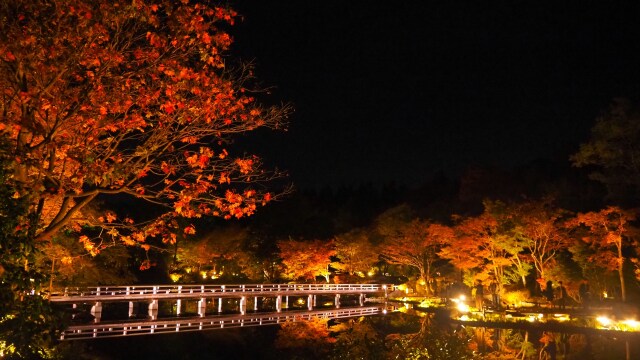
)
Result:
{"points": [[422, 282], [371, 273], [603, 320], [462, 298], [604, 294], [633, 324], [561, 317], [463, 307], [203, 274], [464, 317], [175, 277]]}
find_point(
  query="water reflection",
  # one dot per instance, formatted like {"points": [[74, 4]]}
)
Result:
{"points": [[412, 335]]}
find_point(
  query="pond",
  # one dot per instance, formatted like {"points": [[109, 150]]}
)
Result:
{"points": [[396, 335]]}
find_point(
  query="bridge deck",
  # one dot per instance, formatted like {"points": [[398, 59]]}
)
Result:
{"points": [[167, 292]]}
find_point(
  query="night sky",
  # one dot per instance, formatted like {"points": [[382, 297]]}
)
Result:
{"points": [[397, 91]]}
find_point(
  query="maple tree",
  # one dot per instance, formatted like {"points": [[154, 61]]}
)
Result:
{"points": [[128, 98], [306, 259], [355, 252], [486, 246], [539, 226], [29, 326], [608, 232], [415, 244], [213, 250]]}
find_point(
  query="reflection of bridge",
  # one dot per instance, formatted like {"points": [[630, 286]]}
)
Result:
{"points": [[172, 325], [203, 294]]}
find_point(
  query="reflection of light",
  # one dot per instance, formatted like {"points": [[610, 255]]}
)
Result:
{"points": [[175, 277], [604, 294], [462, 297], [422, 282], [532, 318], [463, 307], [603, 320], [561, 317], [384, 311], [203, 274], [464, 317], [371, 273]]}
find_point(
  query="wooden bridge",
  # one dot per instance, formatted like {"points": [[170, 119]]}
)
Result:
{"points": [[276, 296]]}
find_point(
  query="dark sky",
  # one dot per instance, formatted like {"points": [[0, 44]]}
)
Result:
{"points": [[395, 91]]}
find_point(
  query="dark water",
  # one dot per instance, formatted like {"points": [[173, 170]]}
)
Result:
{"points": [[397, 336]]}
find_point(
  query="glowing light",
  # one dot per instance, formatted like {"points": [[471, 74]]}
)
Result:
{"points": [[371, 273], [464, 317], [561, 317], [175, 277], [203, 274], [604, 294], [462, 298], [604, 321], [463, 307], [633, 324]]}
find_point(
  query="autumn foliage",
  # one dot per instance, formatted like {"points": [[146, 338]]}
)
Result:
{"points": [[128, 98]]}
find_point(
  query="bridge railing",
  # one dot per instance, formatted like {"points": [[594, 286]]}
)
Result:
{"points": [[164, 290]]}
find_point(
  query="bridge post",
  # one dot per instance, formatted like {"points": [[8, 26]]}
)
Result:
{"points": [[279, 303], [315, 297], [361, 299], [286, 302], [179, 301], [255, 303], [131, 309], [310, 302], [219, 305], [96, 311], [153, 309], [337, 301], [202, 307], [243, 305]]}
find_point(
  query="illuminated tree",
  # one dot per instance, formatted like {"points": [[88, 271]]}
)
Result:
{"points": [[487, 245], [131, 99], [28, 325], [607, 233], [355, 252], [415, 244], [306, 259], [538, 225], [212, 250]]}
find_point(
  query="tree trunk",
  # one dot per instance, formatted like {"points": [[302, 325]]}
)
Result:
{"points": [[623, 291]]}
